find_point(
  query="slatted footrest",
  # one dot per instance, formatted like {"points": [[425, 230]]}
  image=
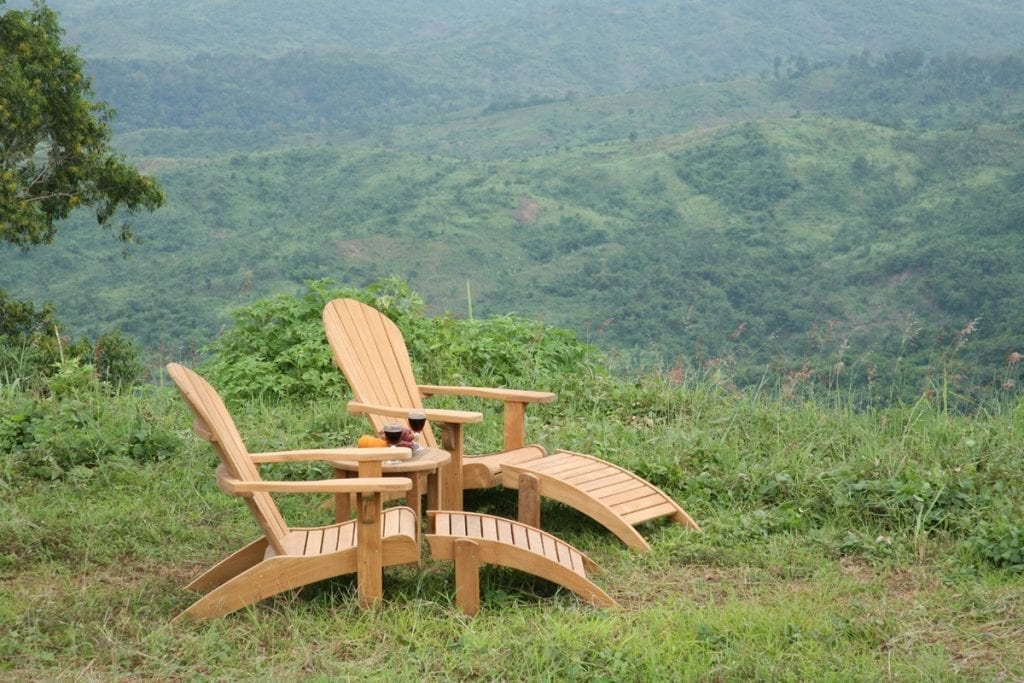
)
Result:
{"points": [[611, 495], [471, 538]]}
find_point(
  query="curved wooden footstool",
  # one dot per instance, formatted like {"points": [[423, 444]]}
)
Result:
{"points": [[610, 495], [470, 538]]}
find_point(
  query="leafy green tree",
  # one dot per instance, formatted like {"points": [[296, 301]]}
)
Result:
{"points": [[54, 140]]}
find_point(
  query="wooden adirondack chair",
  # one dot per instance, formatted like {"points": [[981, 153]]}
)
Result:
{"points": [[286, 558], [370, 350]]}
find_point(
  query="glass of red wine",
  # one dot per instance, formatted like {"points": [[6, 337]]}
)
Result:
{"points": [[417, 421], [393, 435]]}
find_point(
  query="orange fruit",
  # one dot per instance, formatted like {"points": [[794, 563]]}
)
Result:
{"points": [[367, 441]]}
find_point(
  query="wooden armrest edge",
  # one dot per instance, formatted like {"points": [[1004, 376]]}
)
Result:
{"points": [[239, 487], [513, 395], [433, 414], [334, 454]]}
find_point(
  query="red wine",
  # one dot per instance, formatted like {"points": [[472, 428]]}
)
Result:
{"points": [[393, 434], [417, 423]]}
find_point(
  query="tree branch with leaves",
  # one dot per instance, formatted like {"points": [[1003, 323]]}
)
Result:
{"points": [[55, 152]]}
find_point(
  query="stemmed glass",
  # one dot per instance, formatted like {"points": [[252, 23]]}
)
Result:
{"points": [[393, 435], [417, 421]]}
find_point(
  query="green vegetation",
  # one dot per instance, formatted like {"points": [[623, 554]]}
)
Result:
{"points": [[775, 244], [783, 204], [767, 254], [35, 346], [54, 140], [276, 347], [837, 543], [538, 48]]}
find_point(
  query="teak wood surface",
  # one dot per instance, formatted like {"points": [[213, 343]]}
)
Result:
{"points": [[471, 538], [371, 352], [286, 558]]}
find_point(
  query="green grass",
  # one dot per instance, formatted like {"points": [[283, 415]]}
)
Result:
{"points": [[837, 545]]}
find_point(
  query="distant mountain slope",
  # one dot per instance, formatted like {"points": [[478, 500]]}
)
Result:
{"points": [[543, 47], [778, 241], [855, 190]]}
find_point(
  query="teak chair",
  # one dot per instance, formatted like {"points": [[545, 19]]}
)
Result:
{"points": [[370, 351], [286, 558]]}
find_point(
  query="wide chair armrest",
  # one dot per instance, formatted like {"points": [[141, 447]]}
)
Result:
{"points": [[497, 394], [329, 454], [513, 408], [440, 416], [240, 487]]}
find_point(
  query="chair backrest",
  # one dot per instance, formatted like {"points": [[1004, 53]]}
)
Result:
{"points": [[214, 424], [370, 351]]}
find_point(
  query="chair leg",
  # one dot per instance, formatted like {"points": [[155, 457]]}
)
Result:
{"points": [[467, 576], [267, 578], [529, 500], [342, 501], [413, 497], [230, 567], [434, 491], [369, 567], [451, 486]]}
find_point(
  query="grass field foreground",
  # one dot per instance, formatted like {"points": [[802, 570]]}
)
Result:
{"points": [[836, 545]]}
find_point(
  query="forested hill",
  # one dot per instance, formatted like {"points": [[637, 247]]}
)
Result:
{"points": [[780, 240], [763, 185], [246, 65], [603, 44]]}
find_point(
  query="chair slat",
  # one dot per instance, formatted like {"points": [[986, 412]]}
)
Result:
{"points": [[442, 523], [652, 512], [489, 528], [473, 526], [611, 480], [533, 540], [330, 542], [314, 542], [458, 525], [409, 524], [548, 548], [583, 477], [626, 492], [347, 536], [519, 535]]}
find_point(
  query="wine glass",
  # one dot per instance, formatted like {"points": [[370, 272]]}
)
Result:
{"points": [[417, 421], [393, 435]]}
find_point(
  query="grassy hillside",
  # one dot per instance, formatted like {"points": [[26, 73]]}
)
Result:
{"points": [[835, 543]]}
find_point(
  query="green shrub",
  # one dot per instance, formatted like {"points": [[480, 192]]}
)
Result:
{"points": [[34, 346], [74, 425], [277, 349], [1000, 541], [117, 360]]}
